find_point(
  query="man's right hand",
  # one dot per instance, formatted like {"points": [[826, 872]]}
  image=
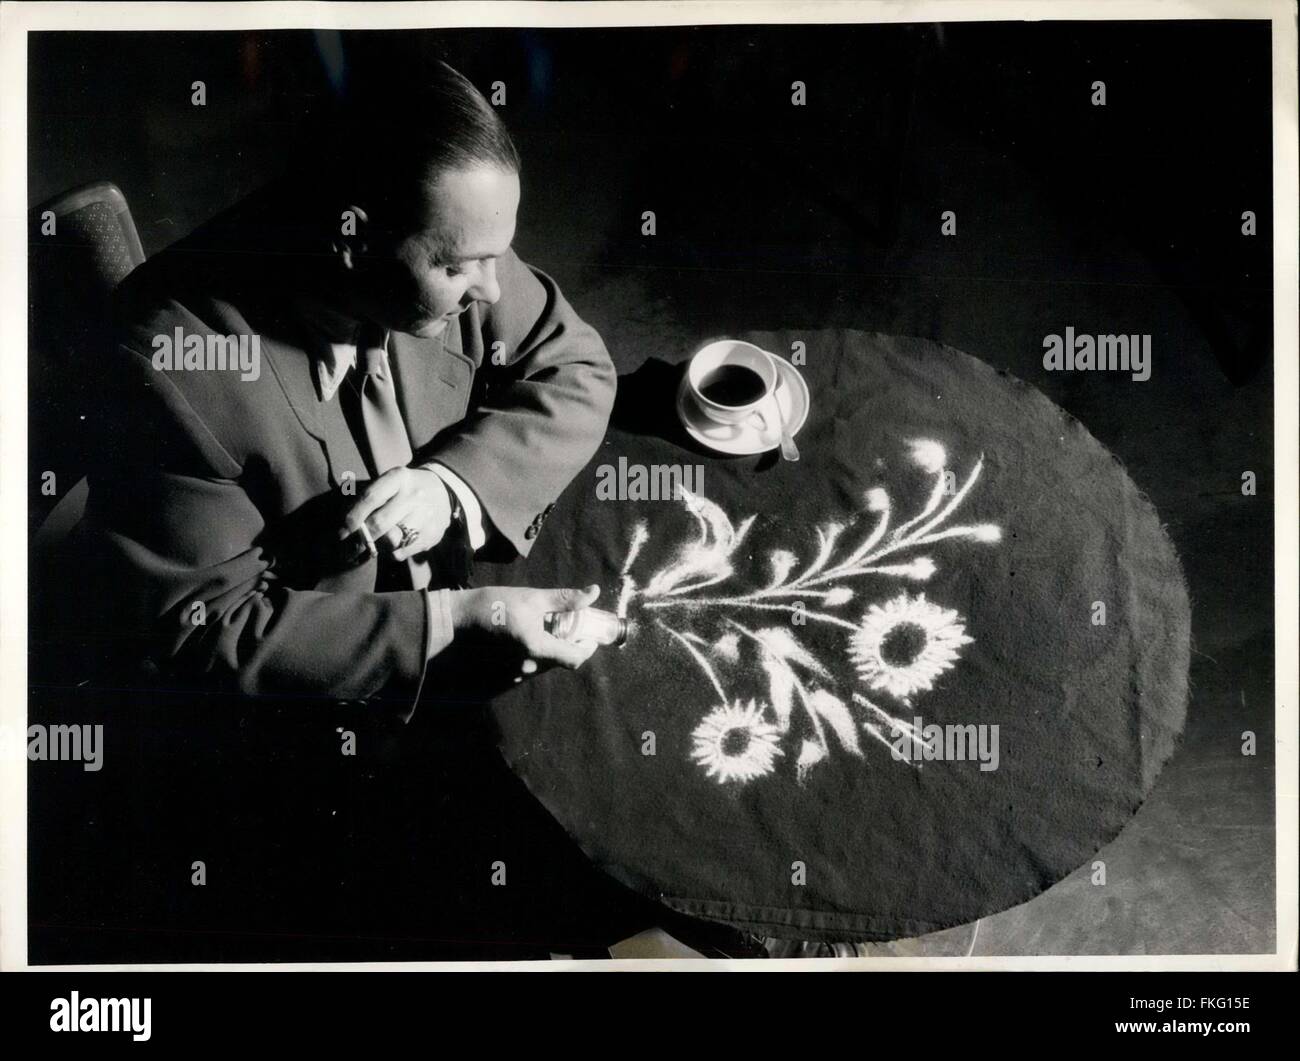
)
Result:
{"points": [[516, 617]]}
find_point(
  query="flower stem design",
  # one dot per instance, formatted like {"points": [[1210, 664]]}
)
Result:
{"points": [[695, 654], [899, 647]]}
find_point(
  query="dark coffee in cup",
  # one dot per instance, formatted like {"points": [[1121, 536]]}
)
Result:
{"points": [[733, 385]]}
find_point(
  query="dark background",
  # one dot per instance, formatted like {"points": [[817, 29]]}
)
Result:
{"points": [[1117, 219]]}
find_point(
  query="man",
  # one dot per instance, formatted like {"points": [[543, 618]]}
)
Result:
{"points": [[416, 376], [353, 358]]}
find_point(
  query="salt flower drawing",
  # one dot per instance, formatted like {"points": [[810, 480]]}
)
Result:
{"points": [[734, 743], [895, 647], [903, 645]]}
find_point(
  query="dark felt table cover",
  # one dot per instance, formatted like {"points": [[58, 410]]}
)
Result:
{"points": [[1035, 523]]}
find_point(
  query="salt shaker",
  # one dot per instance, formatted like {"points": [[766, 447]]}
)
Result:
{"points": [[589, 624]]}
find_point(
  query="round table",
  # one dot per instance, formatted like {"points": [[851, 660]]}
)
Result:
{"points": [[911, 680]]}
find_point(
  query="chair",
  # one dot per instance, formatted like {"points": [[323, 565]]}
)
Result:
{"points": [[93, 222], [81, 245]]}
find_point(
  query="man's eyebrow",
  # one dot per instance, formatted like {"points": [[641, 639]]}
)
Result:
{"points": [[472, 257]]}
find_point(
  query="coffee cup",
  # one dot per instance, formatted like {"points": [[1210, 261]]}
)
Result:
{"points": [[731, 382]]}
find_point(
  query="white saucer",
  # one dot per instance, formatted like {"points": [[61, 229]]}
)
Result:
{"points": [[748, 437]]}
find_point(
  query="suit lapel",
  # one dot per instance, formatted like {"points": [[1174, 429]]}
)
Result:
{"points": [[292, 366], [433, 382], [433, 387]]}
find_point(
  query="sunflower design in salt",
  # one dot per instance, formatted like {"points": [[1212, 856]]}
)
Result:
{"points": [[897, 647]]}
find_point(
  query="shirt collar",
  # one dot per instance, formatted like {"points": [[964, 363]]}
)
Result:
{"points": [[332, 344], [332, 366]]}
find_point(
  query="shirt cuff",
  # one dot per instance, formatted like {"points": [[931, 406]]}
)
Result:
{"points": [[440, 631], [468, 502]]}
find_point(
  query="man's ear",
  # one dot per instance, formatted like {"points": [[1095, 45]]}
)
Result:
{"points": [[353, 235]]}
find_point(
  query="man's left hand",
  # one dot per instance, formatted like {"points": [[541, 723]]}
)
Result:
{"points": [[416, 498]]}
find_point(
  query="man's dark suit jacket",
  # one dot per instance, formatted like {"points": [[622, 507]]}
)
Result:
{"points": [[213, 489], [224, 740]]}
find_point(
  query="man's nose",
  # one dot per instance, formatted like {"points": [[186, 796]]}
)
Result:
{"points": [[485, 287]]}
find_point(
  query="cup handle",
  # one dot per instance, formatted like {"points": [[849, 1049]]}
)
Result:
{"points": [[772, 402]]}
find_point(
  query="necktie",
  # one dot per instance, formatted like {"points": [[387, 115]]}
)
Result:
{"points": [[390, 446]]}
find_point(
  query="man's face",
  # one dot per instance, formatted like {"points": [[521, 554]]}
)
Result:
{"points": [[444, 259]]}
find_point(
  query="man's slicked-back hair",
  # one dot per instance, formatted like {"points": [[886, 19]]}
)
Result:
{"points": [[394, 137]]}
